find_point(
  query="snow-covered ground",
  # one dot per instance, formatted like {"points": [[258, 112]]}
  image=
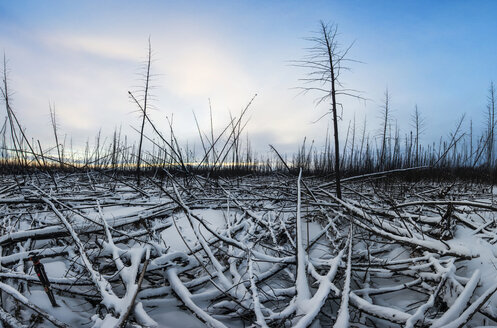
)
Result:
{"points": [[267, 251]]}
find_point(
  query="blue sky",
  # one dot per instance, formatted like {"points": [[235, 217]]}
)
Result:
{"points": [[85, 56]]}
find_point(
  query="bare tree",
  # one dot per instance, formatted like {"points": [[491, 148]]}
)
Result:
{"points": [[53, 120], [491, 124], [143, 109], [385, 115], [325, 61], [6, 98], [18, 138], [417, 122]]}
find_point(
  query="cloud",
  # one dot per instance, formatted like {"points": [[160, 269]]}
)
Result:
{"points": [[108, 47], [199, 69], [227, 54]]}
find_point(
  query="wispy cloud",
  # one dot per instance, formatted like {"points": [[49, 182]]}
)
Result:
{"points": [[109, 47], [227, 53]]}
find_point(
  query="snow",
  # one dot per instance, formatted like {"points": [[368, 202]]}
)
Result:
{"points": [[459, 305], [55, 269], [343, 313], [301, 283], [263, 251], [172, 238], [171, 317]]}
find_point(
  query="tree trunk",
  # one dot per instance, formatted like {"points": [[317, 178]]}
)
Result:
{"points": [[334, 111], [147, 78]]}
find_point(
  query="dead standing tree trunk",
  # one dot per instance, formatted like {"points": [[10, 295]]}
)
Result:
{"points": [[385, 113], [330, 45], [325, 61], [491, 125], [418, 123], [53, 120], [144, 111], [14, 124]]}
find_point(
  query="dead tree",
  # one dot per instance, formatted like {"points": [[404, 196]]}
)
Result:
{"points": [[143, 111], [385, 116], [17, 137], [5, 95], [491, 124], [325, 61], [53, 120], [417, 122]]}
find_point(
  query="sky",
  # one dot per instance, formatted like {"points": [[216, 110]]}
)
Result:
{"points": [[83, 57]]}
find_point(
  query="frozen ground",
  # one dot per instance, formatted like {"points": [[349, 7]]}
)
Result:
{"points": [[272, 251]]}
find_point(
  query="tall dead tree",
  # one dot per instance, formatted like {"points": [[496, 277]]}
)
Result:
{"points": [[417, 122], [16, 130], [5, 94], [325, 61], [53, 120], [143, 110], [491, 125], [385, 116]]}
